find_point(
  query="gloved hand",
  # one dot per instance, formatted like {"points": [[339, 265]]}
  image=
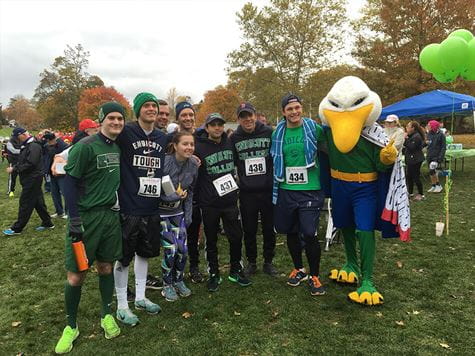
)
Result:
{"points": [[388, 154], [433, 165], [75, 229]]}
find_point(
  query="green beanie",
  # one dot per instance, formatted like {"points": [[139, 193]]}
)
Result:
{"points": [[109, 107], [141, 99]]}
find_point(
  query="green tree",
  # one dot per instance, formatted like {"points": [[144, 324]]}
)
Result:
{"points": [[60, 87], [392, 33], [293, 37]]}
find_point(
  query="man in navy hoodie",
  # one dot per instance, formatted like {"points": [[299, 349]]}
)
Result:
{"points": [[251, 145], [217, 197], [142, 155]]}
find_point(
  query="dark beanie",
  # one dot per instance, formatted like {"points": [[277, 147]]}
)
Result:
{"points": [[181, 106], [290, 98], [109, 107], [141, 99]]}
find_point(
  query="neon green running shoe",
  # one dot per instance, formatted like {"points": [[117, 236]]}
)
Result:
{"points": [[111, 329], [65, 343]]}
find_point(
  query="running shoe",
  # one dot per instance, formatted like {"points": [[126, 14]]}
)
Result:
{"points": [[431, 190], [10, 232], [296, 277], [250, 269], [270, 269], [127, 317], [43, 228], [240, 278], [65, 343], [195, 275], [182, 289], [111, 329], [169, 293], [153, 282], [316, 288], [213, 282], [54, 215], [438, 188], [148, 306]]}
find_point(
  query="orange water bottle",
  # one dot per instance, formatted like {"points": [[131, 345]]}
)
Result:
{"points": [[79, 252]]}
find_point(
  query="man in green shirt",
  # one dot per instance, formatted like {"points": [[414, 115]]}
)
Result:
{"points": [[297, 195], [91, 183]]}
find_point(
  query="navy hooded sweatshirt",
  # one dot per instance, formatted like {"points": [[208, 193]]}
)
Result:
{"points": [[253, 145], [217, 160], [141, 156]]}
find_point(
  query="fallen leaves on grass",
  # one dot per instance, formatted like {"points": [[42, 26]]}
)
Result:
{"points": [[414, 312], [92, 336], [399, 264], [275, 313], [279, 243], [268, 302], [16, 324], [237, 313], [400, 323], [186, 315], [335, 323], [379, 314], [444, 345]]}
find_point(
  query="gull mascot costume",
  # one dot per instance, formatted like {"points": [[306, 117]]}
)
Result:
{"points": [[368, 187]]}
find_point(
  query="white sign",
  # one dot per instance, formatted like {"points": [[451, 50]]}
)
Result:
{"points": [[225, 184], [296, 175], [255, 166], [149, 187]]}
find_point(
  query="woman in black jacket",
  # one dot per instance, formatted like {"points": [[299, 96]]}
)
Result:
{"points": [[413, 144]]}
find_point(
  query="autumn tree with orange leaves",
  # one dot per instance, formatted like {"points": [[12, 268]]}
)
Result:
{"points": [[91, 100], [222, 100]]}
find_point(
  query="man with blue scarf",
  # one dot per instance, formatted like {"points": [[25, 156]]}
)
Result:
{"points": [[297, 194]]}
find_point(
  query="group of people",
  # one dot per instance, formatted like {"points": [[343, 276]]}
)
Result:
{"points": [[411, 143], [132, 188]]}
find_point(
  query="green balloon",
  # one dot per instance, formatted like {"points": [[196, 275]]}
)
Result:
{"points": [[462, 33], [446, 77], [429, 59], [469, 75], [453, 53], [470, 63]]}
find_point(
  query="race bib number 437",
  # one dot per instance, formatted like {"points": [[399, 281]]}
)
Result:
{"points": [[296, 175], [149, 187], [225, 184]]}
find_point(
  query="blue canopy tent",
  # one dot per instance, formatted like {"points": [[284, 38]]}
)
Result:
{"points": [[436, 102]]}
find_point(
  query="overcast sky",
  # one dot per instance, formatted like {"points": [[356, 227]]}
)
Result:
{"points": [[143, 45]]}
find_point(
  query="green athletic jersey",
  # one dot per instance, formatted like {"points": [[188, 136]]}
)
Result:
{"points": [[363, 158], [294, 156], [95, 160]]}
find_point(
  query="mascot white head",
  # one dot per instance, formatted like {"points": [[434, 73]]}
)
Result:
{"points": [[348, 107]]}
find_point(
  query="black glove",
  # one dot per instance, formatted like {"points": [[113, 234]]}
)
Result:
{"points": [[75, 229]]}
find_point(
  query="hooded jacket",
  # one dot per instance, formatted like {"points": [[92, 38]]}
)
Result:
{"points": [[30, 160], [253, 145], [141, 156], [217, 160], [436, 146]]}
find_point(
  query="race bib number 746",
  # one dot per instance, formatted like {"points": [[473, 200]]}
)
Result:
{"points": [[149, 187]]}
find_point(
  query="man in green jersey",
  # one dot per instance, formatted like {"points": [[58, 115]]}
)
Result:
{"points": [[91, 183], [297, 194]]}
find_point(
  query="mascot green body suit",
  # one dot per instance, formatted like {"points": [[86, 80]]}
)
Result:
{"points": [[367, 182]]}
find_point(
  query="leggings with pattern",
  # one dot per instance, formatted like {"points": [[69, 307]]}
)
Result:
{"points": [[175, 250]]}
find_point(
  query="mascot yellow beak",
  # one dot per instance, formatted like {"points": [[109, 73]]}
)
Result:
{"points": [[346, 126]]}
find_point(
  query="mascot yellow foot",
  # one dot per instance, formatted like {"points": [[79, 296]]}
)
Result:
{"points": [[366, 295], [345, 276]]}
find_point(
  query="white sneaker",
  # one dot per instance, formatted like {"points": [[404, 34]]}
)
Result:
{"points": [[431, 190], [54, 215], [64, 216], [437, 189]]}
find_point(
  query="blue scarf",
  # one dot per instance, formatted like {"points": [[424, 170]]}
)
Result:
{"points": [[277, 152]]}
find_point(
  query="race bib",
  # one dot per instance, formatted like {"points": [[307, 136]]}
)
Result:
{"points": [[255, 166], [168, 205], [149, 187], [225, 184], [296, 175]]}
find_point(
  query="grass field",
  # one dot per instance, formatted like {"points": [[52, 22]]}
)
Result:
{"points": [[428, 287]]}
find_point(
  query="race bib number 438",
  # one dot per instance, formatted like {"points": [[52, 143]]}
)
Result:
{"points": [[225, 184], [149, 187], [255, 166], [296, 175]]}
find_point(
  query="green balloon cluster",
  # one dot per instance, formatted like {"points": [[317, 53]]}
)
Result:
{"points": [[453, 57]]}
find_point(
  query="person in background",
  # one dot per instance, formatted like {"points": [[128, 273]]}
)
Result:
{"points": [[13, 152], [262, 118], [435, 154], [394, 131], [30, 169], [53, 146], [413, 144], [163, 116], [448, 138]]}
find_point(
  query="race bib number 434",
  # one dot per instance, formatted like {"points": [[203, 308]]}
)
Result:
{"points": [[225, 184], [255, 166], [296, 175], [149, 187]]}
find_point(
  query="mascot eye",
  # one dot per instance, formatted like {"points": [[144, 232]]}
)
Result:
{"points": [[359, 101], [334, 104]]}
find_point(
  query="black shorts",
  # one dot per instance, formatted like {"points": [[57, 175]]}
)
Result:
{"points": [[141, 236], [298, 211]]}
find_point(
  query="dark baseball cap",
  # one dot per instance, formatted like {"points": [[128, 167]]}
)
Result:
{"points": [[245, 107], [49, 136], [213, 117], [17, 131], [290, 98]]}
